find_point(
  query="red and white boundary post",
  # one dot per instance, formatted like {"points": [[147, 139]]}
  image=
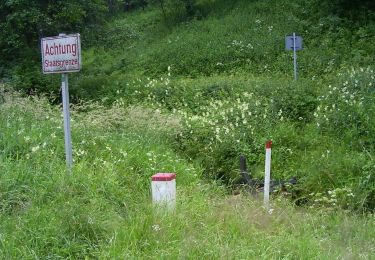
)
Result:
{"points": [[163, 189], [267, 175]]}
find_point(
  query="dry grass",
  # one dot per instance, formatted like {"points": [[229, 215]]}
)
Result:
{"points": [[126, 118]]}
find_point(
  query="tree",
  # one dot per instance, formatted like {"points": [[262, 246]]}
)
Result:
{"points": [[347, 9], [23, 22]]}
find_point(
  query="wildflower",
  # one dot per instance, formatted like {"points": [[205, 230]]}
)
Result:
{"points": [[35, 148], [81, 152], [156, 228], [123, 153]]}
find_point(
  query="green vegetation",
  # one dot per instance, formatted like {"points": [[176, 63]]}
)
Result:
{"points": [[187, 86], [103, 209], [229, 79]]}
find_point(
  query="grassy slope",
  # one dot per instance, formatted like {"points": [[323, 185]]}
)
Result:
{"points": [[103, 209], [237, 38], [238, 49]]}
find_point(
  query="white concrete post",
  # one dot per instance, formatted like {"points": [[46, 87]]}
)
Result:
{"points": [[163, 188]]}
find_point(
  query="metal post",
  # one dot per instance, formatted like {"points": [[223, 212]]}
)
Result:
{"points": [[68, 139], [295, 56], [243, 169]]}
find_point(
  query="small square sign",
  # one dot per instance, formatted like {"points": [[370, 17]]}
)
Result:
{"points": [[290, 40]]}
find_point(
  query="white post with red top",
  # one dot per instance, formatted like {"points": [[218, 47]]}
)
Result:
{"points": [[163, 188], [267, 175]]}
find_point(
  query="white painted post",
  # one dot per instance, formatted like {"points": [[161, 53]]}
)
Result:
{"points": [[295, 56], [267, 175], [68, 138]]}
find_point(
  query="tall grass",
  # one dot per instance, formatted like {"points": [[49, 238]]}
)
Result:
{"points": [[190, 99], [240, 37], [103, 209], [321, 129]]}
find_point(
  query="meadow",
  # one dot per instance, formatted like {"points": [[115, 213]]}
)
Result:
{"points": [[103, 208], [168, 93]]}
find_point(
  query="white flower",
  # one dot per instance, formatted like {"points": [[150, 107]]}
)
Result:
{"points": [[35, 148], [81, 152], [156, 228]]}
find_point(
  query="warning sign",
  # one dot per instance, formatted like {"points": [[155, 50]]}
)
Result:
{"points": [[61, 54]]}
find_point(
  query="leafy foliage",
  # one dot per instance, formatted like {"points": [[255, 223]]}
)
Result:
{"points": [[200, 68], [347, 108], [23, 22]]}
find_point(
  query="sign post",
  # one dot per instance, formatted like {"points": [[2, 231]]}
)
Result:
{"points": [[67, 134], [294, 42], [62, 54]]}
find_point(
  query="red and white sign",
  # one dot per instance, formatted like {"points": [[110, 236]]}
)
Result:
{"points": [[61, 54]]}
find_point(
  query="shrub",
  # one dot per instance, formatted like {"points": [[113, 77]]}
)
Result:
{"points": [[346, 109]]}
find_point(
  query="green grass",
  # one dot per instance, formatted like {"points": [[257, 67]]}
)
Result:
{"points": [[190, 97], [236, 38], [199, 69], [104, 210]]}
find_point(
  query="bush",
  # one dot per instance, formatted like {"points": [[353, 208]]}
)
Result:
{"points": [[346, 109]]}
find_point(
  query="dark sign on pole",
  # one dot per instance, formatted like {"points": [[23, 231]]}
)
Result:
{"points": [[294, 43]]}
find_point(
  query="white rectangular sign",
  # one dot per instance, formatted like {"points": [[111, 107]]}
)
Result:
{"points": [[290, 41], [61, 54]]}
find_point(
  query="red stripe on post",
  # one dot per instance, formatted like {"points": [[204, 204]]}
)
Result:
{"points": [[163, 177], [268, 144]]}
